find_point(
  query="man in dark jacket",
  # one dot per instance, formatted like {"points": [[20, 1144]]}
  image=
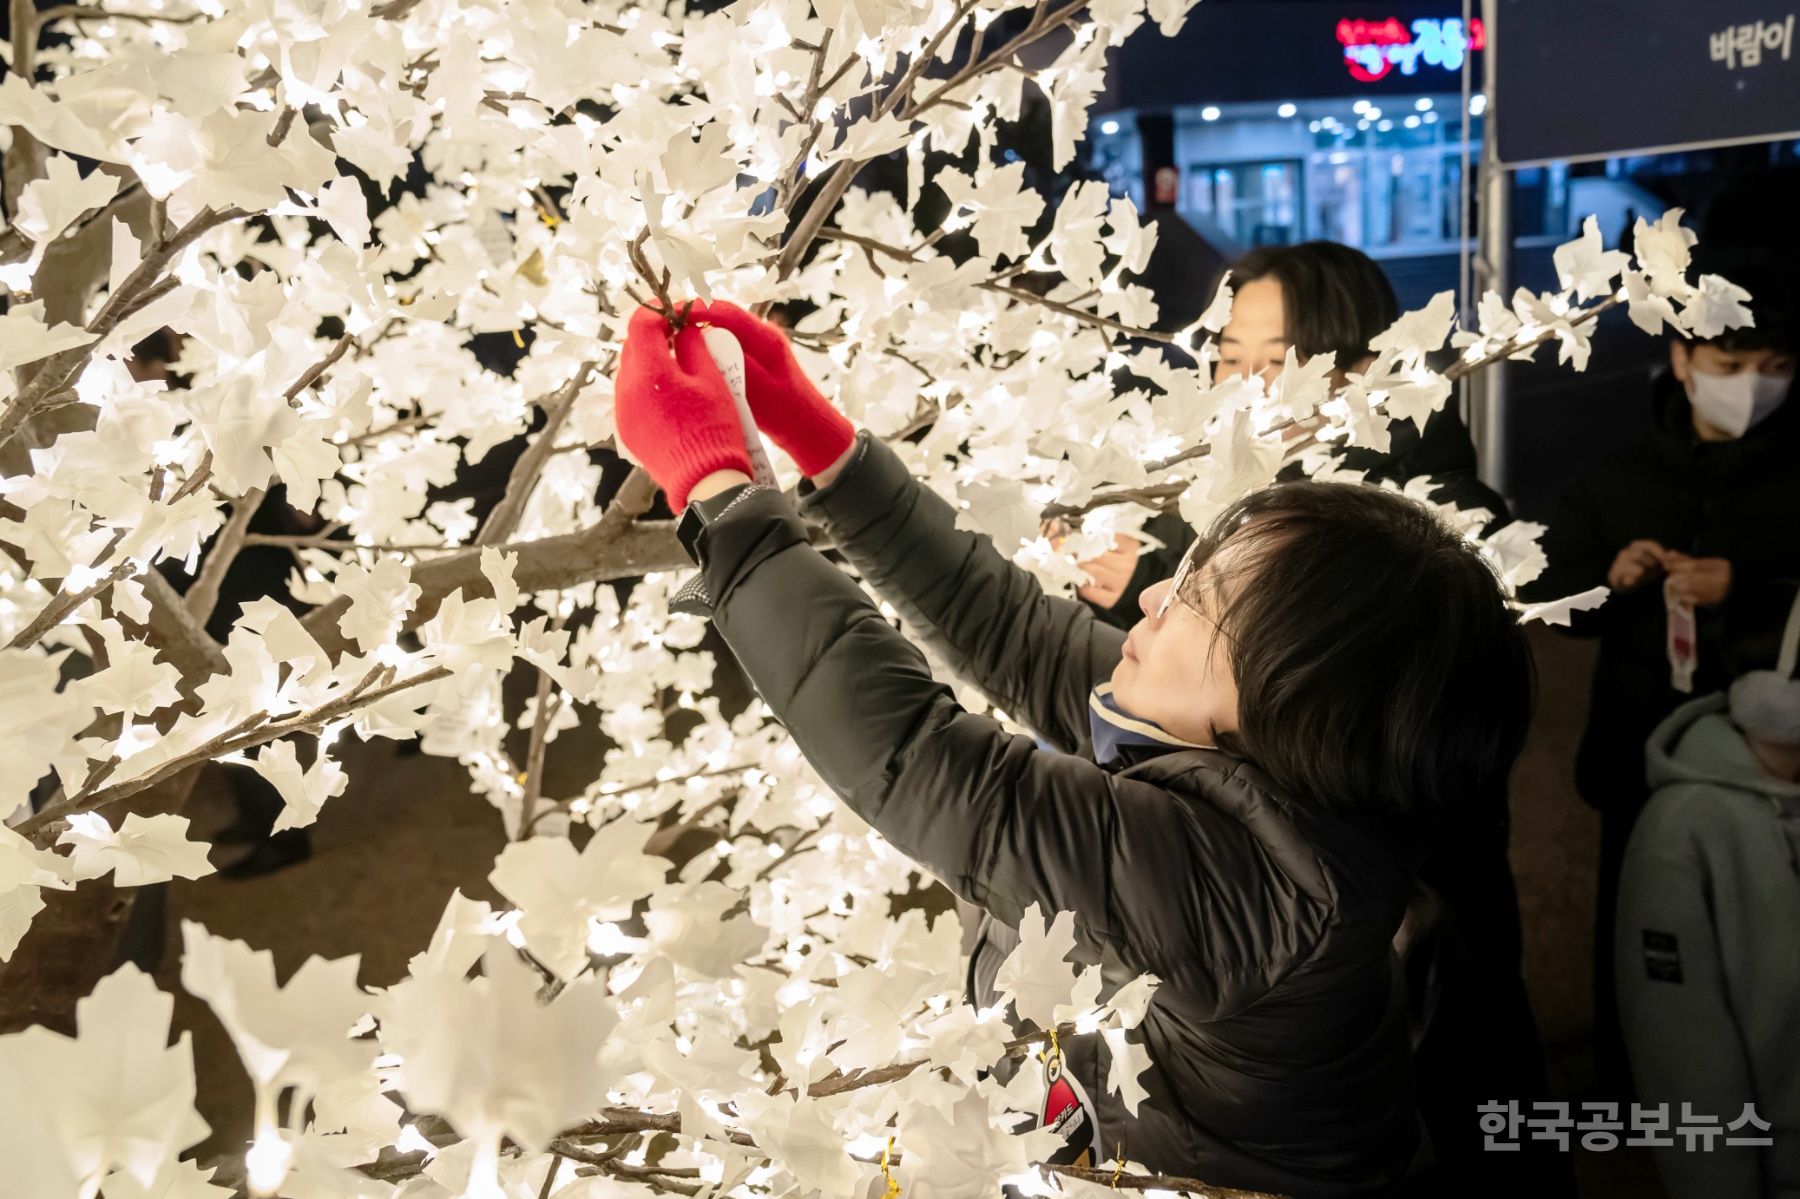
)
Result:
{"points": [[1265, 897], [1706, 504]]}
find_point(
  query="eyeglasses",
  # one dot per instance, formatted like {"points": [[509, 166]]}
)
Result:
{"points": [[1189, 563], [1182, 570]]}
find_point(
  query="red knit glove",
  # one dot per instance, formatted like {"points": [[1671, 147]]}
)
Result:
{"points": [[672, 408], [784, 401]]}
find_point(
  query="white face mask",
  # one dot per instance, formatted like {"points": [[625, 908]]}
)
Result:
{"points": [[1735, 404]]}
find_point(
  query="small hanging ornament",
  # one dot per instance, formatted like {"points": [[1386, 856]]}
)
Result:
{"points": [[893, 1187]]}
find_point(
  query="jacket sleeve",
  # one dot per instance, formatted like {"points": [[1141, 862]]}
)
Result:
{"points": [[1003, 823], [1034, 656], [1673, 1008], [1579, 553]]}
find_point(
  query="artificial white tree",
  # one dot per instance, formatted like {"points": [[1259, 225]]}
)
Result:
{"points": [[755, 1007]]}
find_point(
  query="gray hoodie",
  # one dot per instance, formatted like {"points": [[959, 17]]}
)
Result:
{"points": [[1708, 954]]}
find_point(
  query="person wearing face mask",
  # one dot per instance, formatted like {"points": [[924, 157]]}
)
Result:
{"points": [[1708, 946], [1315, 298], [1704, 505], [1239, 789]]}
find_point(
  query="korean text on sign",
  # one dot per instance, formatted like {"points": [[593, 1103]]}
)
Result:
{"points": [[1743, 45]]}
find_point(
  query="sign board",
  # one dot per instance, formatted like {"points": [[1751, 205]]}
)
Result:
{"points": [[1375, 49], [1282, 50], [1604, 78]]}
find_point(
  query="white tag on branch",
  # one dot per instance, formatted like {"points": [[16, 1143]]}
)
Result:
{"points": [[144, 849]]}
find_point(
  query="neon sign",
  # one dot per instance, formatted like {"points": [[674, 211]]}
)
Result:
{"points": [[1374, 48]]}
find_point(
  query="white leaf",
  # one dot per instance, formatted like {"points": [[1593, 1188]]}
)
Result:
{"points": [[461, 1042], [25, 338], [1420, 332], [1716, 305], [303, 790], [379, 598], [560, 891], [1035, 975], [346, 210], [1586, 265], [1558, 611], [144, 849], [1170, 15], [1129, 1060], [298, 1034], [498, 569], [116, 1096]]}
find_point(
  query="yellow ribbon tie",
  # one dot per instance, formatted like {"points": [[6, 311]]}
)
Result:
{"points": [[893, 1188], [1119, 1168]]}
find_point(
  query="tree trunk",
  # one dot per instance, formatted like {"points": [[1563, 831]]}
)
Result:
{"points": [[74, 942]]}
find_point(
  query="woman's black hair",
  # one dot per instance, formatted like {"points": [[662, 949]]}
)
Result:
{"points": [[1380, 672], [1335, 298]]}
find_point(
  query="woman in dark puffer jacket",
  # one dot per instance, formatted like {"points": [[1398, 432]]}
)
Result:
{"points": [[1247, 776]]}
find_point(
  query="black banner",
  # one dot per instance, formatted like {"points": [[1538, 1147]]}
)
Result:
{"points": [[1598, 78]]}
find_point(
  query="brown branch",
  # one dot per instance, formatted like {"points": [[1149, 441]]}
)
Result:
{"points": [[24, 159], [534, 754], [923, 60], [1156, 1182], [1038, 28], [235, 740], [519, 484], [1460, 368], [203, 596], [398, 426], [614, 547], [54, 372], [1154, 495], [182, 640], [313, 373], [832, 187], [90, 12], [279, 130], [63, 603]]}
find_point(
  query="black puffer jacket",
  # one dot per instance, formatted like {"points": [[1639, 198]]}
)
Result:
{"points": [[1278, 1036], [1738, 500]]}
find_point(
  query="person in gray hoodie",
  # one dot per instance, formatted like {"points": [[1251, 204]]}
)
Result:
{"points": [[1708, 951]]}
